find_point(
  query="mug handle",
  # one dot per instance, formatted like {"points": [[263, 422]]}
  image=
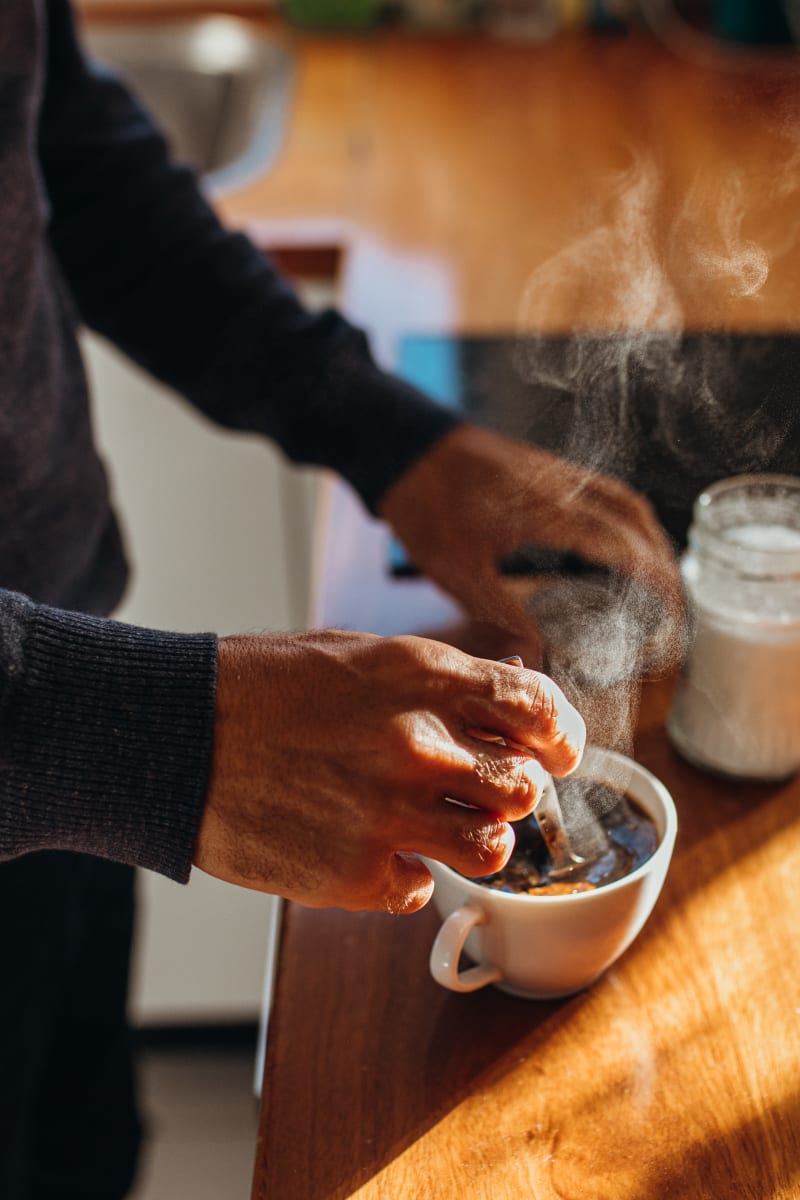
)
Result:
{"points": [[446, 951]]}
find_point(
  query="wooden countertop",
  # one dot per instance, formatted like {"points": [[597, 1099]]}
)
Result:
{"points": [[593, 182]]}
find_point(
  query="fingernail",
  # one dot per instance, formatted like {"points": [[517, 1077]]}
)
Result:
{"points": [[504, 842]]}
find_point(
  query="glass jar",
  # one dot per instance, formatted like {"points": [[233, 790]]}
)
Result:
{"points": [[736, 710]]}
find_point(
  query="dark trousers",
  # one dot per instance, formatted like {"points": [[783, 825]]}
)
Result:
{"points": [[69, 1128]]}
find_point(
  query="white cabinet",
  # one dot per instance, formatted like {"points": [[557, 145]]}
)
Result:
{"points": [[209, 518]]}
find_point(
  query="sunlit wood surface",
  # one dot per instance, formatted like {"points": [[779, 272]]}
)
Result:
{"points": [[587, 182]]}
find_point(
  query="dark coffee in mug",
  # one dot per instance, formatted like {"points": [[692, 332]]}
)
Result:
{"points": [[610, 834]]}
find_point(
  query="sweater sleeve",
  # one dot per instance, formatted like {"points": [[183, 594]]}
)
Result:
{"points": [[106, 733], [151, 268]]}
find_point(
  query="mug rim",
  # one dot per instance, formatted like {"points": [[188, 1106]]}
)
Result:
{"points": [[664, 848]]}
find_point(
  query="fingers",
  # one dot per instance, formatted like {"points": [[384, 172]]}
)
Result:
{"points": [[471, 841], [530, 709], [397, 881], [595, 515], [615, 526], [492, 775], [469, 828]]}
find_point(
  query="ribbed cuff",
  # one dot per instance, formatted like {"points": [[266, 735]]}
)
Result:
{"points": [[107, 744]]}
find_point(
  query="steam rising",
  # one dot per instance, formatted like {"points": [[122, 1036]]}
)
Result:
{"points": [[601, 633], [620, 249], [733, 258], [648, 280]]}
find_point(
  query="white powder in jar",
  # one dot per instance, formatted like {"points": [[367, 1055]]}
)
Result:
{"points": [[759, 535], [737, 706]]}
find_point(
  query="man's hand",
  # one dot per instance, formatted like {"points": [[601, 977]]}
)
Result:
{"points": [[337, 757], [476, 497]]}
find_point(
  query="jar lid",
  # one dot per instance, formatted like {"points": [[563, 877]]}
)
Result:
{"points": [[750, 524]]}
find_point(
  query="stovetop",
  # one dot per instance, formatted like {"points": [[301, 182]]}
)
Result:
{"points": [[670, 413]]}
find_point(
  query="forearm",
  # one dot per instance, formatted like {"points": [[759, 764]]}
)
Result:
{"points": [[106, 734]]}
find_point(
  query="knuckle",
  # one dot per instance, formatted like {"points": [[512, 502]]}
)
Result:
{"points": [[515, 786], [428, 757], [407, 649], [486, 846], [558, 723], [515, 781], [524, 790], [411, 742], [543, 706]]}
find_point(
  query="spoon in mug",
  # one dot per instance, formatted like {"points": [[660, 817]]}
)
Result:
{"points": [[548, 815], [547, 812]]}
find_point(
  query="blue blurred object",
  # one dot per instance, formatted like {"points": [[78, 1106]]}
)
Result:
{"points": [[604, 16], [760, 22]]}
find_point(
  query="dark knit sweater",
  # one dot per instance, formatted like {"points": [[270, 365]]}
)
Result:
{"points": [[105, 729]]}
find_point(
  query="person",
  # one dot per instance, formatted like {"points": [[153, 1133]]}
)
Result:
{"points": [[314, 765]]}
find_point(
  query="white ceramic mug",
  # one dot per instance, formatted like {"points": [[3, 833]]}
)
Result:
{"points": [[544, 947]]}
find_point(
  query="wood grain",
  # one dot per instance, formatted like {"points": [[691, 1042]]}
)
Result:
{"points": [[585, 183]]}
